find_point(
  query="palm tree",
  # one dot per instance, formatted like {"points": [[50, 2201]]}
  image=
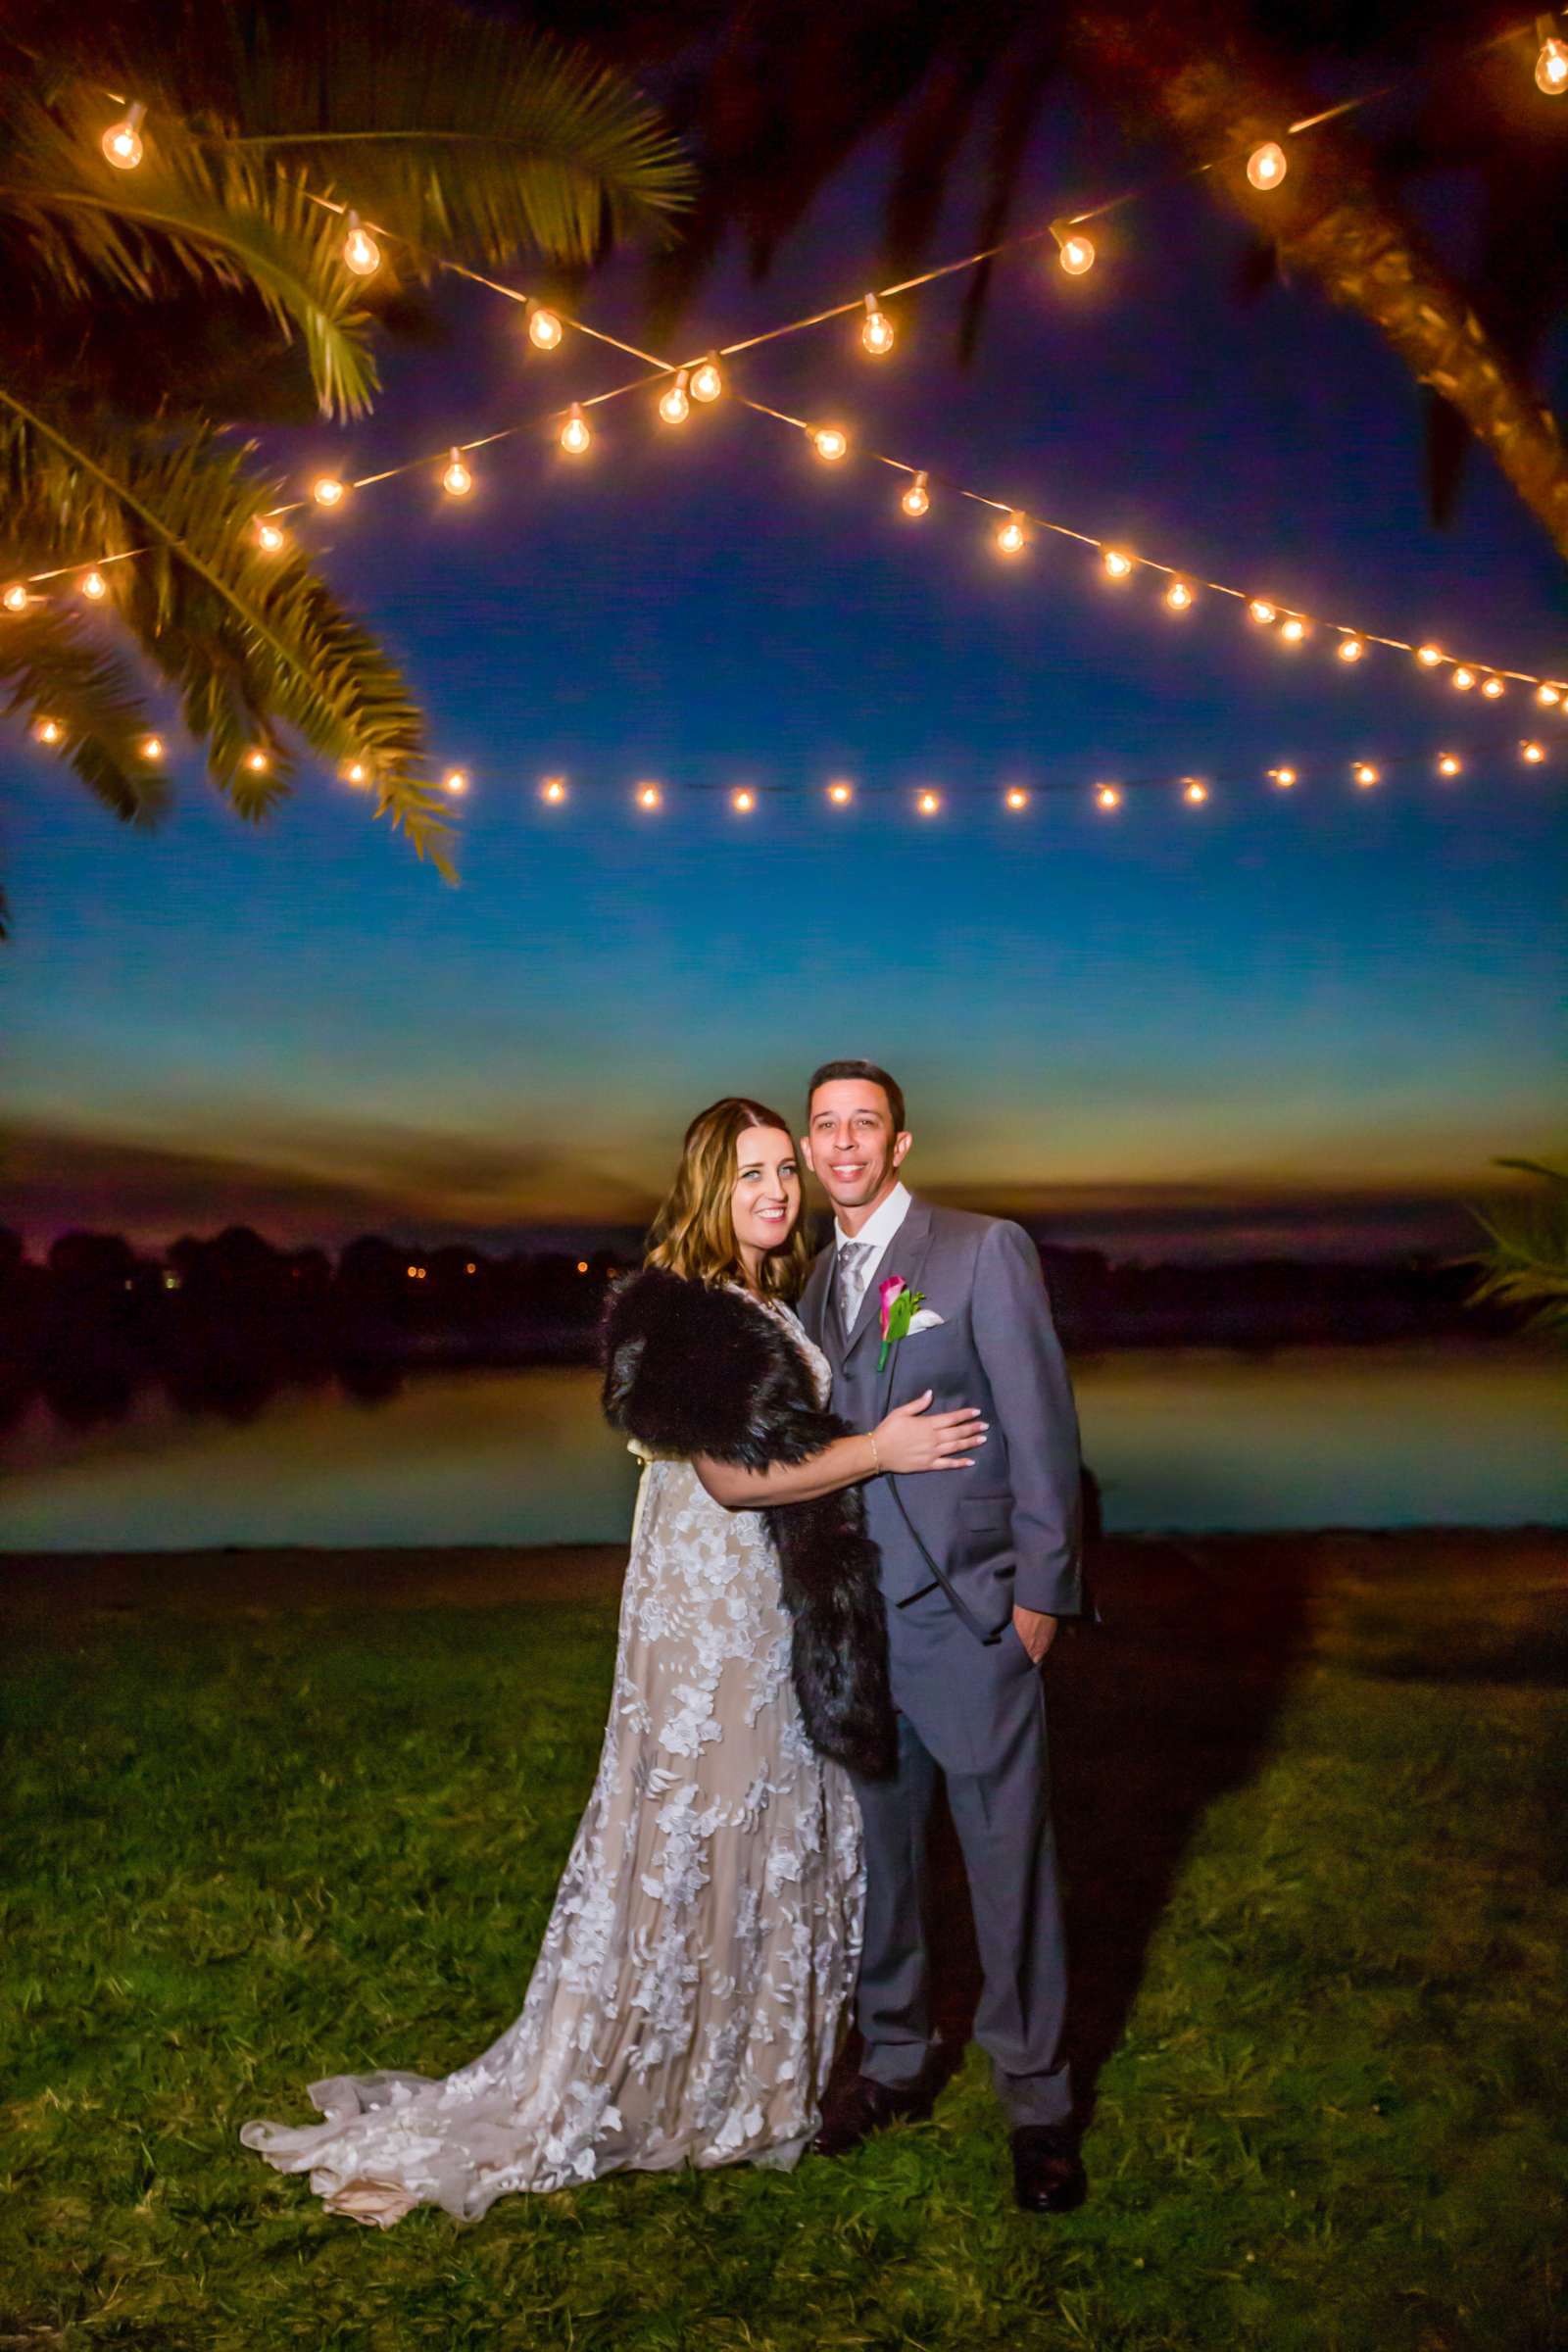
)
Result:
{"points": [[773, 102], [1525, 1265], [150, 309]]}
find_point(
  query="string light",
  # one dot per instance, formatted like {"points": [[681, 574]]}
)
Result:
{"points": [[1016, 797], [830, 442], [1107, 795], [841, 794], [1293, 628], [49, 730], [1429, 656], [574, 433], [916, 499], [1118, 566], [269, 537], [929, 804], [674, 406], [1493, 689], [743, 802], [876, 331], [1284, 777], [94, 587], [1262, 611], [1011, 537], [553, 791], [455, 782], [1547, 695], [707, 378], [356, 772], [16, 598], [1448, 763], [1552, 66], [258, 762], [121, 141], [649, 796], [327, 490], [1531, 753], [1267, 166], [457, 481], [1195, 790], [1350, 649], [1464, 678], [1074, 251], [1364, 773], [1179, 597], [545, 329], [151, 747], [361, 252]]}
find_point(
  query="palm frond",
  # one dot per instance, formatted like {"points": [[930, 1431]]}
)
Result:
{"points": [[1525, 1265], [51, 672]]}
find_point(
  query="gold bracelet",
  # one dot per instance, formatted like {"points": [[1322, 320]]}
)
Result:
{"points": [[876, 1458]]}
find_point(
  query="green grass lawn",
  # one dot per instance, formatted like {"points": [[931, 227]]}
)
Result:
{"points": [[1307, 1796]]}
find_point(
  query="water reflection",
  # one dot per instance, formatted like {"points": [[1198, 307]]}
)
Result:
{"points": [[1178, 1438]]}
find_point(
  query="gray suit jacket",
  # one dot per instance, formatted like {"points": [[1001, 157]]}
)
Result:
{"points": [[1010, 1529]]}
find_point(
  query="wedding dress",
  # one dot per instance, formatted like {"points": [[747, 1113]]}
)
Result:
{"points": [[686, 2004]]}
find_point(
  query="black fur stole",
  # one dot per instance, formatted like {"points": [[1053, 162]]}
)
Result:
{"points": [[690, 1368]]}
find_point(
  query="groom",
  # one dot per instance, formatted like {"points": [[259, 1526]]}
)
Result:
{"points": [[978, 1567]]}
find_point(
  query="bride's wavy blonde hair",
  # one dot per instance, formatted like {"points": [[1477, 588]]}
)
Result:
{"points": [[693, 1231]]}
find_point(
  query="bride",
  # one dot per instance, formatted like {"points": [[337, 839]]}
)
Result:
{"points": [[686, 2004]]}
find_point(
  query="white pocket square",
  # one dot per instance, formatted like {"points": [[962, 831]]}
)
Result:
{"points": [[924, 1318]]}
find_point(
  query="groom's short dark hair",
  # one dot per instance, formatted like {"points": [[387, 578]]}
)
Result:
{"points": [[872, 1075]]}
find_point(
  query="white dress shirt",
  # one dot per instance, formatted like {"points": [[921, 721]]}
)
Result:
{"points": [[876, 1233]]}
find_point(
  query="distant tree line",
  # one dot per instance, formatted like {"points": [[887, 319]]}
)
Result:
{"points": [[221, 1324]]}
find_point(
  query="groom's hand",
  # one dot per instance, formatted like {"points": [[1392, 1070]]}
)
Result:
{"points": [[1036, 1631]]}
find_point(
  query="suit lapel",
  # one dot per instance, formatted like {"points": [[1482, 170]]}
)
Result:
{"points": [[906, 1254], [815, 1312]]}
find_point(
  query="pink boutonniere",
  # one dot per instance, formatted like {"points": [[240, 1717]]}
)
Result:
{"points": [[899, 1304]]}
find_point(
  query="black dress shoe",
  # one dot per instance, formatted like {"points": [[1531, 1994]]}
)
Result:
{"points": [[861, 2107], [1047, 2172]]}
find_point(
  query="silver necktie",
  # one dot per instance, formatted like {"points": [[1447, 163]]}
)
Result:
{"points": [[851, 1256]]}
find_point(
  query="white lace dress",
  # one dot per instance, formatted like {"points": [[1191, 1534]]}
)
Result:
{"points": [[686, 2004]]}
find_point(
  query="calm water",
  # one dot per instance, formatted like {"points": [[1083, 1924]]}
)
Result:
{"points": [[1384, 1437]]}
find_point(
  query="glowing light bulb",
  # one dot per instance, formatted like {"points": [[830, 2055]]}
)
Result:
{"points": [[673, 404], [743, 802], [1016, 797], [1118, 566], [1013, 538], [361, 252], [1074, 251], [841, 794], [1448, 763], [1350, 649], [327, 490], [1283, 777], [16, 598], [457, 481], [649, 796], [574, 433], [1531, 753], [1107, 795], [1464, 678], [552, 789], [1493, 688], [455, 781], [929, 804], [708, 380], [1365, 774], [1429, 656], [356, 772], [916, 499], [1179, 596], [1292, 629], [1552, 66], [121, 141], [545, 329], [830, 443], [1267, 165], [1547, 695], [269, 538], [151, 747], [1262, 611], [257, 761], [94, 587], [876, 329], [1195, 790], [49, 730]]}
